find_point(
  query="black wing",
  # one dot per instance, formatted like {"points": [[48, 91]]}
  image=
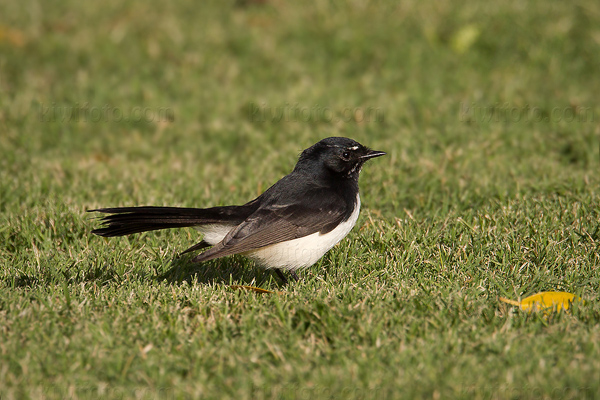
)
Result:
{"points": [[278, 223]]}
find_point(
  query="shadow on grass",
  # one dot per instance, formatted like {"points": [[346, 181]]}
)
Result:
{"points": [[230, 270], [99, 275], [225, 271]]}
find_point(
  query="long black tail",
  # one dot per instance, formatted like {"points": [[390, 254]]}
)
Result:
{"points": [[129, 220]]}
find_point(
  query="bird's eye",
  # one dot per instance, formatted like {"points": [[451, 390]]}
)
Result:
{"points": [[346, 156]]}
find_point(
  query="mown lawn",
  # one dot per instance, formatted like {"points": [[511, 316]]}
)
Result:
{"points": [[490, 117]]}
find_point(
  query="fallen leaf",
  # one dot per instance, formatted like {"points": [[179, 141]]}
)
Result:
{"points": [[544, 301], [464, 38], [252, 288]]}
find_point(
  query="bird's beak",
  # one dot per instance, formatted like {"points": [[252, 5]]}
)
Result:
{"points": [[373, 154]]}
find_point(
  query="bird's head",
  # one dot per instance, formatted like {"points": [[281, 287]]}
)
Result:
{"points": [[339, 156]]}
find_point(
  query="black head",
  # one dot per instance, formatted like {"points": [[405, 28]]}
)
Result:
{"points": [[339, 156]]}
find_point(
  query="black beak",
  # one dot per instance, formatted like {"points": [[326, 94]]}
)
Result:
{"points": [[373, 154]]}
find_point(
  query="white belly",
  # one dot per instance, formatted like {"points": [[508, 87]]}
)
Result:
{"points": [[305, 251]]}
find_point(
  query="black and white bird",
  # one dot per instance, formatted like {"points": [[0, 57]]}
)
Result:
{"points": [[288, 227]]}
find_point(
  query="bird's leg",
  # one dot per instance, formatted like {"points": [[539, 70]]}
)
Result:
{"points": [[282, 276], [294, 275]]}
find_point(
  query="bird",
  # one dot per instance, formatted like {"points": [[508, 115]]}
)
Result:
{"points": [[289, 227]]}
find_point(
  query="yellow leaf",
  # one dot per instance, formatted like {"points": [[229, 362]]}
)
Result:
{"points": [[252, 288], [466, 37], [544, 301]]}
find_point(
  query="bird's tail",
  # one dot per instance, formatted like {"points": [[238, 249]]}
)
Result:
{"points": [[129, 220]]}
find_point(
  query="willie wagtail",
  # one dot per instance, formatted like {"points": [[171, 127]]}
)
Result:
{"points": [[288, 227]]}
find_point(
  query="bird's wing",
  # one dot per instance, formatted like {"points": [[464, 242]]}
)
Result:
{"points": [[277, 223]]}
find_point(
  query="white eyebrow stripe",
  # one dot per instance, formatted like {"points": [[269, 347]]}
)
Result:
{"points": [[342, 147]]}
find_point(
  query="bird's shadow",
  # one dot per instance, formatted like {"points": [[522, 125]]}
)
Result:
{"points": [[223, 271]]}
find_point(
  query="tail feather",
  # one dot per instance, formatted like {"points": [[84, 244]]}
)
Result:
{"points": [[129, 220]]}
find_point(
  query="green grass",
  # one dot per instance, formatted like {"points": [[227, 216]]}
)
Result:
{"points": [[490, 118]]}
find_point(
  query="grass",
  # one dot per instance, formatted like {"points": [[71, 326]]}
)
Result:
{"points": [[489, 115]]}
